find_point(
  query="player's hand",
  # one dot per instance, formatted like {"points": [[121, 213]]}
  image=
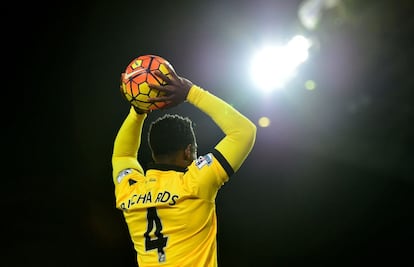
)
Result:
{"points": [[176, 88]]}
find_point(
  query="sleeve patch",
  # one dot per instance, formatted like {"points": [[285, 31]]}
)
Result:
{"points": [[204, 160], [122, 175]]}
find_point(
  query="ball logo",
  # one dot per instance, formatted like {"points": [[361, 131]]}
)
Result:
{"points": [[127, 76]]}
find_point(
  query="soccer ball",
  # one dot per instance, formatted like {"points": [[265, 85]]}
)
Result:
{"points": [[138, 74]]}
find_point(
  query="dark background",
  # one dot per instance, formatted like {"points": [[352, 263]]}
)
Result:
{"points": [[329, 183]]}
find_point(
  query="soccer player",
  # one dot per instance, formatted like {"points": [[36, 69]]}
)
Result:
{"points": [[170, 209]]}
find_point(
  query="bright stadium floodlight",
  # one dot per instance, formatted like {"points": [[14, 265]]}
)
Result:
{"points": [[273, 66]]}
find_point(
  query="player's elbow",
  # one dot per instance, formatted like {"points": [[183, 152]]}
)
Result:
{"points": [[247, 134], [250, 131]]}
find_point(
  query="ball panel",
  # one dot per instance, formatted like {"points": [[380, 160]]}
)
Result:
{"points": [[154, 93], [158, 105], [139, 79], [133, 88], [163, 69], [128, 97], [155, 64], [141, 105], [146, 62], [137, 63], [151, 78], [144, 89], [142, 98]]}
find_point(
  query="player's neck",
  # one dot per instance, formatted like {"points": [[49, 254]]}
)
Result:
{"points": [[175, 159]]}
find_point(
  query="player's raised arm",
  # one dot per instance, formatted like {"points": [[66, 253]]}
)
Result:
{"points": [[127, 142], [239, 130]]}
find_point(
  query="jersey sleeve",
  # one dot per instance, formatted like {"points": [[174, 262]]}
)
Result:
{"points": [[240, 132], [126, 145]]}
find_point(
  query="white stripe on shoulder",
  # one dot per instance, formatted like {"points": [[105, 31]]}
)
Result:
{"points": [[122, 174]]}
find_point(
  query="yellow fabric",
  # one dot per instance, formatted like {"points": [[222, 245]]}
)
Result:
{"points": [[177, 208], [240, 132], [127, 143]]}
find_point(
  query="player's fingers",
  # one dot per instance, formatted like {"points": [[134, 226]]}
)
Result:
{"points": [[160, 99], [171, 71], [160, 87], [163, 77]]}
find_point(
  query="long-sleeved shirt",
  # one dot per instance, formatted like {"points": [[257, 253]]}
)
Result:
{"points": [[170, 211]]}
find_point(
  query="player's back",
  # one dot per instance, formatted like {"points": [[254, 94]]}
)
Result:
{"points": [[171, 215]]}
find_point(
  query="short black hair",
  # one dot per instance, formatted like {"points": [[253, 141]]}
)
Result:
{"points": [[170, 133]]}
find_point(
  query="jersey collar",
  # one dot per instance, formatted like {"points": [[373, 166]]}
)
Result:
{"points": [[166, 167]]}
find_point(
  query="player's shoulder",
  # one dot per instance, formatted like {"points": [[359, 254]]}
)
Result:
{"points": [[206, 165], [214, 159], [205, 160], [125, 173], [206, 172]]}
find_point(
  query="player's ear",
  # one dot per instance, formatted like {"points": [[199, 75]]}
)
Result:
{"points": [[188, 153]]}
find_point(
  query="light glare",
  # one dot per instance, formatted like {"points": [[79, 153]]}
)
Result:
{"points": [[273, 66], [310, 85], [264, 122]]}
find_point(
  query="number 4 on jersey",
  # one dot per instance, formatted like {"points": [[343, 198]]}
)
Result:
{"points": [[159, 242]]}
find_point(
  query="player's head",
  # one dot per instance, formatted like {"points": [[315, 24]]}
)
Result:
{"points": [[170, 135]]}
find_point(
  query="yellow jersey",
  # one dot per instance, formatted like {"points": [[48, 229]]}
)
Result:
{"points": [[170, 211]]}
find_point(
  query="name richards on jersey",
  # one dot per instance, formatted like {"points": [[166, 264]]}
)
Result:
{"points": [[161, 197]]}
